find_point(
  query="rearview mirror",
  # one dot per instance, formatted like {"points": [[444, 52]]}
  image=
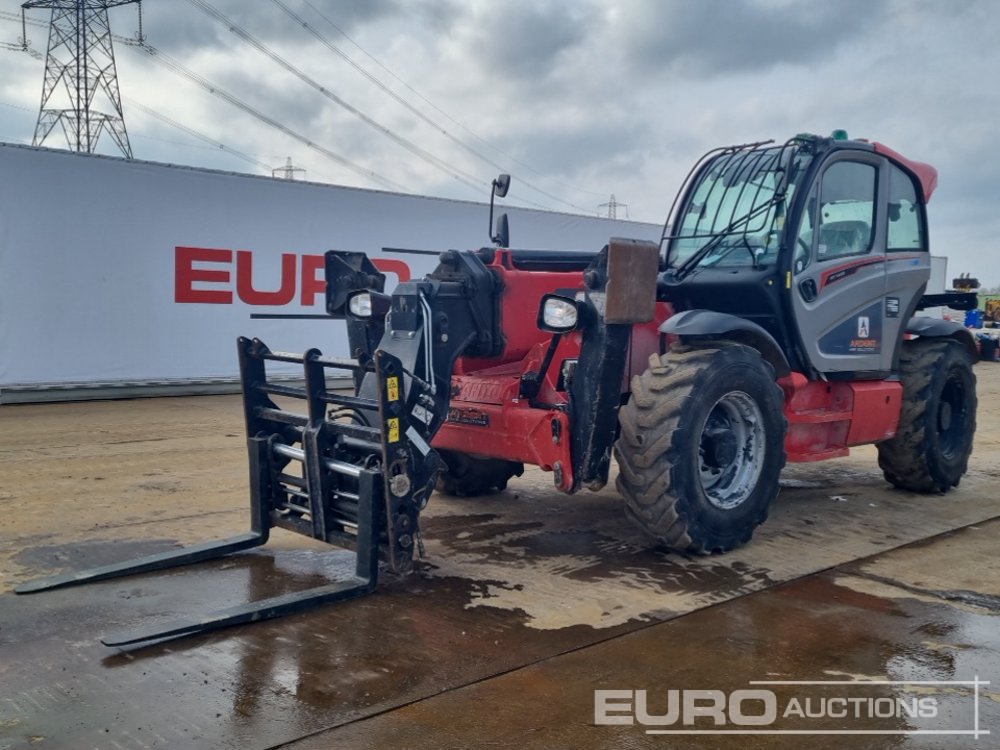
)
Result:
{"points": [[502, 237], [501, 185]]}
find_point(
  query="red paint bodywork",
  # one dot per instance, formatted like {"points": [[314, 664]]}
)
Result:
{"points": [[490, 388], [491, 419], [826, 418]]}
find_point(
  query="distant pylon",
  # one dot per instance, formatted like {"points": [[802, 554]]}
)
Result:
{"points": [[287, 172], [81, 58], [612, 206]]}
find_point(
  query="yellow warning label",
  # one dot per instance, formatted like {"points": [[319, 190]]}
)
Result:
{"points": [[394, 429], [392, 386]]}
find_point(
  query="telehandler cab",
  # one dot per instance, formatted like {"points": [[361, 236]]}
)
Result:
{"points": [[773, 322]]}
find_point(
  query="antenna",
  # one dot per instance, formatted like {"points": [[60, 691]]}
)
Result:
{"points": [[81, 63]]}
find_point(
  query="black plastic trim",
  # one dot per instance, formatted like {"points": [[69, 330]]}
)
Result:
{"points": [[937, 328], [700, 325]]}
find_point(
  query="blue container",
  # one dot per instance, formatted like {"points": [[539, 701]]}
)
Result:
{"points": [[987, 349], [974, 319]]}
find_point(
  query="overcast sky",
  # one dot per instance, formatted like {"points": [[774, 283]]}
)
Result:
{"points": [[578, 100]]}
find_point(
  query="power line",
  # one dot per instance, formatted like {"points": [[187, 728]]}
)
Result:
{"points": [[412, 109], [243, 34], [173, 65], [440, 111], [215, 144], [179, 69], [196, 134]]}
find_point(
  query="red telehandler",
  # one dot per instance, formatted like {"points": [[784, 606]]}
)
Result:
{"points": [[775, 321]]}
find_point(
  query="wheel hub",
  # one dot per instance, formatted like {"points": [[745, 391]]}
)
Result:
{"points": [[944, 416], [720, 446], [731, 450], [951, 416]]}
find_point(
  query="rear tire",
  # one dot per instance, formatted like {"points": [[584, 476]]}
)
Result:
{"points": [[470, 476], [702, 446], [931, 449]]}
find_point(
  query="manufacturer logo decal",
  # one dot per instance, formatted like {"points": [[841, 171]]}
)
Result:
{"points": [[864, 326], [469, 416]]}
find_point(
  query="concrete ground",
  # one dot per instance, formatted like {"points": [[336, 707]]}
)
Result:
{"points": [[527, 603]]}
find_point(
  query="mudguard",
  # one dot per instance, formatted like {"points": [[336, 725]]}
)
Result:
{"points": [[705, 325], [938, 328]]}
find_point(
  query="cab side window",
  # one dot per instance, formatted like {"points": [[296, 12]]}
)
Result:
{"points": [[847, 210], [906, 226]]}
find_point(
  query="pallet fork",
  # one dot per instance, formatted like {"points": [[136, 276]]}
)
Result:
{"points": [[364, 473]]}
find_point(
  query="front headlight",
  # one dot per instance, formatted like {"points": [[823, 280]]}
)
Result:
{"points": [[360, 305], [558, 314]]}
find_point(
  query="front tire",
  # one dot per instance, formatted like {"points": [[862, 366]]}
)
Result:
{"points": [[931, 448], [702, 446]]}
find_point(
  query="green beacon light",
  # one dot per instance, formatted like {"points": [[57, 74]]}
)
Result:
{"points": [[839, 135]]}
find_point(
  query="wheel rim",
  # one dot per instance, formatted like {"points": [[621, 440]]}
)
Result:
{"points": [[731, 450], [951, 417]]}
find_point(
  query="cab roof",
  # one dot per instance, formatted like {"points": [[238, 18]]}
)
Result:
{"points": [[926, 174]]}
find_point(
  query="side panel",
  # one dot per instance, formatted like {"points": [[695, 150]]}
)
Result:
{"points": [[826, 418]]}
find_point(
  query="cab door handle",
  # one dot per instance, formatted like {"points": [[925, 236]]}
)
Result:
{"points": [[807, 288]]}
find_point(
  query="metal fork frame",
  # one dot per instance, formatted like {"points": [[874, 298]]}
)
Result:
{"points": [[270, 431]]}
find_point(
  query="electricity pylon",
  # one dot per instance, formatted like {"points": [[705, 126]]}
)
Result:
{"points": [[81, 64]]}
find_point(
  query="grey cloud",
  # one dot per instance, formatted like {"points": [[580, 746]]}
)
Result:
{"points": [[177, 26], [713, 37], [558, 148], [525, 40]]}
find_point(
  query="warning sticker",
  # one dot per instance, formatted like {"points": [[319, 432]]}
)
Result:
{"points": [[392, 388], [393, 430]]}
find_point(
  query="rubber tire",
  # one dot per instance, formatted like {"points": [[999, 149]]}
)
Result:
{"points": [[658, 450], [913, 459], [471, 476]]}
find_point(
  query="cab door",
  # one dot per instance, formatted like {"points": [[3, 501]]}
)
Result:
{"points": [[907, 258], [838, 283]]}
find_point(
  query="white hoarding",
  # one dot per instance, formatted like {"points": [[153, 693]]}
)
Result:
{"points": [[114, 271]]}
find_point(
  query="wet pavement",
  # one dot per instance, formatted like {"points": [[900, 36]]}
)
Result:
{"points": [[877, 620], [527, 602]]}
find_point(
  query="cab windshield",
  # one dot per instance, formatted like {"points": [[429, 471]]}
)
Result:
{"points": [[735, 212]]}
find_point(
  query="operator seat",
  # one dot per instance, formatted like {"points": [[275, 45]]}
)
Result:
{"points": [[844, 238]]}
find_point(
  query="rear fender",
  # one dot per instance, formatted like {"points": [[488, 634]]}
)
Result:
{"points": [[937, 328], [694, 326]]}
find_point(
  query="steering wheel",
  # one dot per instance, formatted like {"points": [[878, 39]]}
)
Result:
{"points": [[749, 248], [806, 249]]}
